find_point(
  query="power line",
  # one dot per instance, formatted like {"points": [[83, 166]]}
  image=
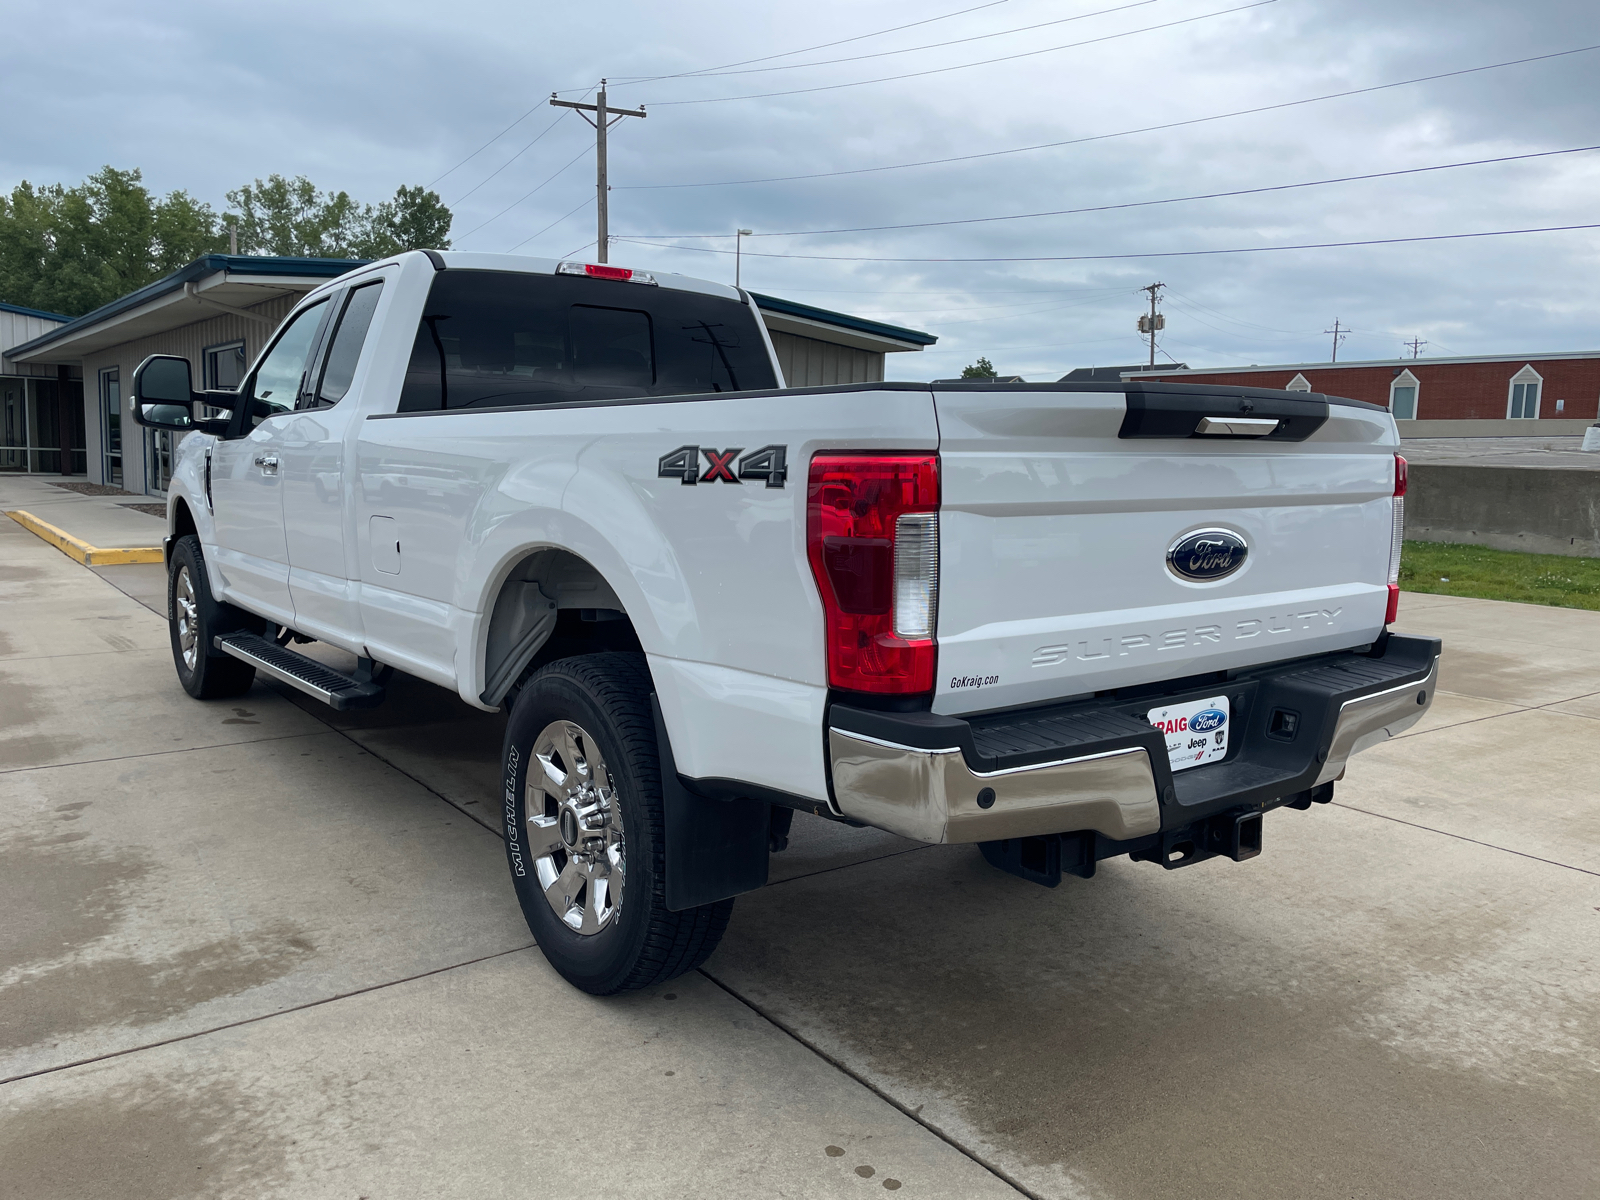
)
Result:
{"points": [[1099, 137], [509, 161], [1183, 298], [1437, 237], [1110, 37], [588, 201], [490, 142], [525, 195], [977, 37], [1067, 212], [860, 37]]}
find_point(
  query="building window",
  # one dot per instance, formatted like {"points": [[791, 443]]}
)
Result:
{"points": [[1298, 384], [111, 424], [223, 366], [1403, 396], [1523, 403]]}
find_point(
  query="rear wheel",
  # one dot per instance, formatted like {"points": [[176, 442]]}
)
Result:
{"points": [[194, 617], [583, 826]]}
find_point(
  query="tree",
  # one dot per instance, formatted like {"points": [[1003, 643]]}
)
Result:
{"points": [[416, 219], [982, 369], [290, 216], [70, 250]]}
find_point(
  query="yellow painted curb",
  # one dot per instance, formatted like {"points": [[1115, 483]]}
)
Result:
{"points": [[89, 556]]}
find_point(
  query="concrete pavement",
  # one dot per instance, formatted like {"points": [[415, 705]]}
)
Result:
{"points": [[263, 949], [106, 521]]}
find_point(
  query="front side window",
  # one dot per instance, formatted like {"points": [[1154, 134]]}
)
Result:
{"points": [[278, 379], [497, 339], [340, 367]]}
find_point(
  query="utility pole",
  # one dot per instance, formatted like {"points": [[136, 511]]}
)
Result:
{"points": [[1149, 325], [739, 236], [1339, 335], [604, 118], [233, 239], [1416, 345]]}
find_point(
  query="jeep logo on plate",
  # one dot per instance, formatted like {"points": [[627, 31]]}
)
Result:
{"points": [[1207, 554]]}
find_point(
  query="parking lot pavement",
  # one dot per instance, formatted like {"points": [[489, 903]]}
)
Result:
{"points": [[267, 950]]}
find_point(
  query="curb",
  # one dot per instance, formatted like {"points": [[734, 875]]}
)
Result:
{"points": [[89, 556]]}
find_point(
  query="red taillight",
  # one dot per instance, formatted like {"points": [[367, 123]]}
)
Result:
{"points": [[875, 561], [1397, 535], [601, 271]]}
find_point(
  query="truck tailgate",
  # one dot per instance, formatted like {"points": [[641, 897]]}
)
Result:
{"points": [[1055, 527]]}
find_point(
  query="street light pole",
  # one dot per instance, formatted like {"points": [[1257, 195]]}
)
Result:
{"points": [[739, 236]]}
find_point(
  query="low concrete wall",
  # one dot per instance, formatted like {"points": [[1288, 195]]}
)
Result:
{"points": [[1541, 511], [1534, 428]]}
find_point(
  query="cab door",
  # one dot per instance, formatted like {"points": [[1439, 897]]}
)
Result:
{"points": [[316, 501], [251, 555]]}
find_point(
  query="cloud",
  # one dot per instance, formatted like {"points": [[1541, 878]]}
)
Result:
{"points": [[365, 97]]}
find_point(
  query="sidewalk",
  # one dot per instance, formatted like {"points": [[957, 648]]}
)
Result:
{"points": [[102, 521]]}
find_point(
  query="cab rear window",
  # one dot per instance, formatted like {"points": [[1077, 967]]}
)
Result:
{"points": [[496, 339]]}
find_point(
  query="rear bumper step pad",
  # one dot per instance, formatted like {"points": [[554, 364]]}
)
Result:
{"points": [[334, 688]]}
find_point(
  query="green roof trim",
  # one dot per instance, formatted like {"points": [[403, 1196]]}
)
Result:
{"points": [[825, 316], [237, 264]]}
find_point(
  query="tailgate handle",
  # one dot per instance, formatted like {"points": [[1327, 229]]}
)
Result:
{"points": [[1237, 426]]}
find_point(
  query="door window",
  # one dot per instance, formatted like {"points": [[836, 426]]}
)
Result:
{"points": [[111, 409], [340, 366], [277, 381]]}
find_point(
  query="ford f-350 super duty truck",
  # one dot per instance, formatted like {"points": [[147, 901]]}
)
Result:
{"points": [[1062, 621]]}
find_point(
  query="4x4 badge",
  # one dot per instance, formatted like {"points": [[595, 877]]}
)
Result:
{"points": [[683, 464]]}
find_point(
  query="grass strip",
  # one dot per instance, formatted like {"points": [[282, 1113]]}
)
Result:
{"points": [[1456, 569]]}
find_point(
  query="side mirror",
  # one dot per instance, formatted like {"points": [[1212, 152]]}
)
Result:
{"points": [[163, 395]]}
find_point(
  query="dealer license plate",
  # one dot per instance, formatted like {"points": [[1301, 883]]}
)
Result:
{"points": [[1196, 732]]}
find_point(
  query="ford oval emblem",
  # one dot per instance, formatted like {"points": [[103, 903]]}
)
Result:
{"points": [[1208, 719], [1207, 554]]}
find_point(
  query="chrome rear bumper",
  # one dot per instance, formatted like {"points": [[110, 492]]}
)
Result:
{"points": [[933, 796], [1372, 720], [1099, 766]]}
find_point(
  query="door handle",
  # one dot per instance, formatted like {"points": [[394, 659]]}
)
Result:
{"points": [[268, 463]]}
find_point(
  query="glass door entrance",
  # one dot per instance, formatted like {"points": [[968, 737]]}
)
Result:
{"points": [[30, 425]]}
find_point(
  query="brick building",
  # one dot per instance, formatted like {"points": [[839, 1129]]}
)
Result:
{"points": [[1487, 387]]}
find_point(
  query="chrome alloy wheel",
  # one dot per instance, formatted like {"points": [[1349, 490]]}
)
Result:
{"points": [[188, 618], [575, 828]]}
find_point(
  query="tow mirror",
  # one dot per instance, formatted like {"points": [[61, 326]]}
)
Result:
{"points": [[164, 396]]}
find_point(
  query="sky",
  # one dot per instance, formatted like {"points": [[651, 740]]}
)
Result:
{"points": [[364, 97]]}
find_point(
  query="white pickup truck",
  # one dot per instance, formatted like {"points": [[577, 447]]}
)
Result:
{"points": [[1062, 621]]}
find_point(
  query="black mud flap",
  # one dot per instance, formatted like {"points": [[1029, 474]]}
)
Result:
{"points": [[715, 848]]}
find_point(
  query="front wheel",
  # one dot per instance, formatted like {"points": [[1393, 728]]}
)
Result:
{"points": [[194, 617], [583, 826]]}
